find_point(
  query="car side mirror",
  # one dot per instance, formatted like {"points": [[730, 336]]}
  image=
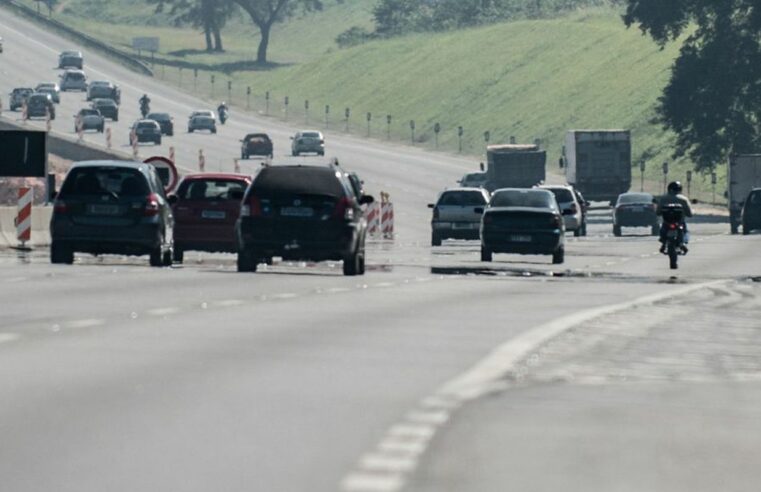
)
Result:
{"points": [[172, 199], [366, 199], [431, 205], [236, 195], [479, 210]]}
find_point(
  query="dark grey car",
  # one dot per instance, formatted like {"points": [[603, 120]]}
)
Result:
{"points": [[112, 207], [308, 141]]}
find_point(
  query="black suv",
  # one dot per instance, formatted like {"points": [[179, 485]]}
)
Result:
{"points": [[39, 105], [308, 213], [112, 207]]}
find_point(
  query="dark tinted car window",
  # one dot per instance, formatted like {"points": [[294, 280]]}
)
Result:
{"points": [[146, 124], [462, 198], [289, 179], [209, 189], [755, 198], [85, 181], [635, 198], [523, 198], [159, 117], [562, 195]]}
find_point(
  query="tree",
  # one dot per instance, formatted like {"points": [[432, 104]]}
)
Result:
{"points": [[713, 99], [266, 13], [211, 15]]}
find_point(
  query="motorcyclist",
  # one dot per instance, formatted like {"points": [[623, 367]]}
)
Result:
{"points": [[222, 111], [674, 197], [145, 102]]}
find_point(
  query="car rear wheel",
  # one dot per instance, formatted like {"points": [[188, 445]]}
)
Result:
{"points": [[486, 255], [577, 232], [558, 256], [435, 239], [295, 154], [157, 257], [354, 263], [246, 261], [734, 228], [617, 231], [746, 230], [190, 130], [61, 254], [179, 254]]}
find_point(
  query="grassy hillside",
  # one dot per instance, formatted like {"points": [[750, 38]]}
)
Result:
{"points": [[528, 79], [301, 39]]}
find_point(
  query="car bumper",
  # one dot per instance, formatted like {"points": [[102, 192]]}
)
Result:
{"points": [[457, 230], [635, 219], [140, 238], [333, 244], [523, 242]]}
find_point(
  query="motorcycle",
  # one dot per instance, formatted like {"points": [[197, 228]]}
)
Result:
{"points": [[675, 233], [145, 108], [222, 115]]}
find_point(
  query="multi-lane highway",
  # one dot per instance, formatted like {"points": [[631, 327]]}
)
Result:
{"points": [[432, 372]]}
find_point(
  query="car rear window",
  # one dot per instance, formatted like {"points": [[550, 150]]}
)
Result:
{"points": [[635, 198], [462, 199], [75, 76], [299, 180], [562, 195], [89, 112], [147, 124], [310, 135], [158, 116], [106, 180], [210, 189], [523, 198]]}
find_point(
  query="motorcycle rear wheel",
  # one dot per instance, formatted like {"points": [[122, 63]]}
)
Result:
{"points": [[673, 256]]}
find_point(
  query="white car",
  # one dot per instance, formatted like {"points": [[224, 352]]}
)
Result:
{"points": [[573, 214]]}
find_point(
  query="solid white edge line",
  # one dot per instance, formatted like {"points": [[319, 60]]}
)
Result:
{"points": [[409, 438]]}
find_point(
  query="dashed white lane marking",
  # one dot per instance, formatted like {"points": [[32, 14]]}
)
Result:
{"points": [[166, 311], [15, 279], [387, 467], [337, 290], [287, 295], [84, 323], [8, 337], [229, 303]]}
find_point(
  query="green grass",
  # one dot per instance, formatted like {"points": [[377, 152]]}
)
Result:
{"points": [[301, 39], [528, 79]]}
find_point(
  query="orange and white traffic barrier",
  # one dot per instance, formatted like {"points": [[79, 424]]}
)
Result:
{"points": [[374, 218], [24, 112], [236, 165], [108, 138], [80, 129], [24, 216], [171, 153], [201, 161], [133, 141], [387, 216], [48, 120]]}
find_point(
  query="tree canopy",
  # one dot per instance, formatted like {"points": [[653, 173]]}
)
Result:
{"points": [[713, 99]]}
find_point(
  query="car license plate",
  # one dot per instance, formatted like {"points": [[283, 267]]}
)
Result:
{"points": [[213, 214], [462, 225], [103, 209], [296, 212], [520, 238]]}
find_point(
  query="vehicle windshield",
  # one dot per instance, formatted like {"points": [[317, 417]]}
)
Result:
{"points": [[462, 199], [158, 116], [89, 112], [105, 180], [210, 189], [524, 198], [635, 198]]}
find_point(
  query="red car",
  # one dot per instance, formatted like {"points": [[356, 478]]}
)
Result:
{"points": [[205, 212]]}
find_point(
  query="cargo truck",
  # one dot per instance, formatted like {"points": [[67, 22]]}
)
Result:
{"points": [[515, 166], [744, 174], [598, 163]]}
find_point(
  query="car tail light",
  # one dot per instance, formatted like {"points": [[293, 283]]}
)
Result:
{"points": [[152, 207], [60, 207], [672, 226], [344, 209], [252, 208]]}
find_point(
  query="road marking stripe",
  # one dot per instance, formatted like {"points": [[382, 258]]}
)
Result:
{"points": [[163, 311], [287, 295], [367, 482], [397, 447], [385, 463], [84, 323], [8, 337], [229, 303]]}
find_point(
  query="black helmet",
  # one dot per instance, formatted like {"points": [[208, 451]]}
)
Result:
{"points": [[675, 187]]}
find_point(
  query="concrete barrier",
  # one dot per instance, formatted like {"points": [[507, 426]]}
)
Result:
{"points": [[40, 227], [67, 146]]}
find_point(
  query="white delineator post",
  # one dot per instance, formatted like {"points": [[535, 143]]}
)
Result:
{"points": [[24, 216], [236, 165], [108, 138], [171, 153], [48, 121], [24, 112], [80, 129]]}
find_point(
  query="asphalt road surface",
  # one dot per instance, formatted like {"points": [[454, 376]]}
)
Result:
{"points": [[432, 372]]}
